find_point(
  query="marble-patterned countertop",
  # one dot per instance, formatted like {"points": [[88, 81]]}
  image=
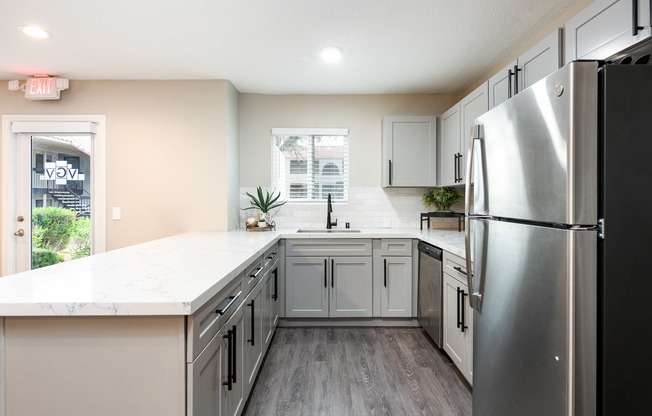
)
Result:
{"points": [[171, 276]]}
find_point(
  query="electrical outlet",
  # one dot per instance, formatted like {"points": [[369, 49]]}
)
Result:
{"points": [[387, 222]]}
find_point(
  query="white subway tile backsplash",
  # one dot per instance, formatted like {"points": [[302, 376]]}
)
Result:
{"points": [[368, 207]]}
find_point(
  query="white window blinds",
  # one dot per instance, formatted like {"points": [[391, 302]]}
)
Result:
{"points": [[309, 164]]}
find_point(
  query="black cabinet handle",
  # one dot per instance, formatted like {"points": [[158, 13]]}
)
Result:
{"points": [[459, 269], [463, 327], [332, 273], [459, 167], [325, 273], [635, 26], [228, 383], [235, 361], [516, 71], [228, 305], [455, 166], [275, 295], [253, 323], [509, 83], [459, 322], [256, 273], [385, 272], [390, 171]]}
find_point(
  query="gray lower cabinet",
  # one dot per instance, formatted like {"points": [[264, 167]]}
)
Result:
{"points": [[253, 334], [233, 378], [321, 287], [396, 293], [458, 316], [271, 301]]}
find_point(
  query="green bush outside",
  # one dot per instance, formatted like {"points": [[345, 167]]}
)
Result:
{"points": [[56, 231], [81, 239], [52, 227], [42, 257]]}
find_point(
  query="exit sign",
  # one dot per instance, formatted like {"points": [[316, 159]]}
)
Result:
{"points": [[42, 88]]}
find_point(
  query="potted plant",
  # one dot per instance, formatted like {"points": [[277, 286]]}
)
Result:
{"points": [[441, 199], [265, 203]]}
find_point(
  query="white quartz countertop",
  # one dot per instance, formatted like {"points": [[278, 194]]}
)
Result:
{"points": [[171, 276]]}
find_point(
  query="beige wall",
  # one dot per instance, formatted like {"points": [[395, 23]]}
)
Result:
{"points": [[361, 114], [168, 147]]}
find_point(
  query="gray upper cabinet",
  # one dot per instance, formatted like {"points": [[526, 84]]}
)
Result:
{"points": [[606, 27], [455, 131], [409, 151], [450, 146], [539, 61]]}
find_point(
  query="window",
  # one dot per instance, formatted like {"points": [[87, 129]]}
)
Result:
{"points": [[309, 164]]}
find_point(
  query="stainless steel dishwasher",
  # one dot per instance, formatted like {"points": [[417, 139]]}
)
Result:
{"points": [[430, 314]]}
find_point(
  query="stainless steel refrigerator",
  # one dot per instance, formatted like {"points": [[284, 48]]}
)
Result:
{"points": [[562, 246]]}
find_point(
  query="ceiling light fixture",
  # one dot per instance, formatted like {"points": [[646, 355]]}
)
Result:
{"points": [[35, 32], [331, 54]]}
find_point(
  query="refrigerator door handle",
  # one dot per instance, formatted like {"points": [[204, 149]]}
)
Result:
{"points": [[476, 134]]}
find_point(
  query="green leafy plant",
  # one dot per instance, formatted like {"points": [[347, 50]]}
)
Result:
{"points": [[52, 227], [441, 199], [81, 239], [264, 202], [42, 257]]}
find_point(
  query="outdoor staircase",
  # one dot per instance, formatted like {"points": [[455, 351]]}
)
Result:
{"points": [[73, 201]]}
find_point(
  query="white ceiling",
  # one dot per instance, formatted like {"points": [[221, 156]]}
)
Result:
{"points": [[272, 46]]}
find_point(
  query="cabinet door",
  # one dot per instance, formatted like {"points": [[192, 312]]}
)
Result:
{"points": [[541, 60], [501, 85], [351, 287], [604, 28], [232, 365], [450, 146], [409, 151], [205, 381], [455, 341], [468, 318], [306, 287], [396, 298], [270, 304], [253, 335], [471, 107]]}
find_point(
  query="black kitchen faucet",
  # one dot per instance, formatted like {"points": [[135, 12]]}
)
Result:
{"points": [[330, 224]]}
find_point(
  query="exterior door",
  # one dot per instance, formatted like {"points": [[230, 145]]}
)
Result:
{"points": [[49, 169]]}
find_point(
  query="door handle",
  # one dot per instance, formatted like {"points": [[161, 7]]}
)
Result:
{"points": [[463, 327], [332, 273], [516, 71], [459, 166], [325, 273], [19, 233], [390, 172], [275, 295], [228, 383]]}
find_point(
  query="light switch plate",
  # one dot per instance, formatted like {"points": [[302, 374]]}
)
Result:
{"points": [[117, 214]]}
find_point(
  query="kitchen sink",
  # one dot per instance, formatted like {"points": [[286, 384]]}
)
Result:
{"points": [[325, 230]]}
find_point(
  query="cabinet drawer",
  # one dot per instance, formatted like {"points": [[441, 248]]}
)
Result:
{"points": [[205, 323], [455, 266], [329, 247], [270, 256], [252, 275], [396, 247]]}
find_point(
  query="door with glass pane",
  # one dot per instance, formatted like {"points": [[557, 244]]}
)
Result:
{"points": [[54, 199]]}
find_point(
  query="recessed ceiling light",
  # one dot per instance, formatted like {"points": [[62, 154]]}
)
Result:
{"points": [[35, 32], [331, 54]]}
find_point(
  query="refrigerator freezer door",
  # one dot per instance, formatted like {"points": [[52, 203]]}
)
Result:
{"points": [[537, 286], [536, 157]]}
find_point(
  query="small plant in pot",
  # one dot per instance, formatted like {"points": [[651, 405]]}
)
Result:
{"points": [[265, 203], [442, 199]]}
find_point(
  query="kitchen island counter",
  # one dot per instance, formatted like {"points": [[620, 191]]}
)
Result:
{"points": [[170, 276]]}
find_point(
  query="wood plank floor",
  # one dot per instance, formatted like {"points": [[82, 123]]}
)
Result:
{"points": [[357, 371]]}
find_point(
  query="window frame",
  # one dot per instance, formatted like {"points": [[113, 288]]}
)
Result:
{"points": [[313, 179]]}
